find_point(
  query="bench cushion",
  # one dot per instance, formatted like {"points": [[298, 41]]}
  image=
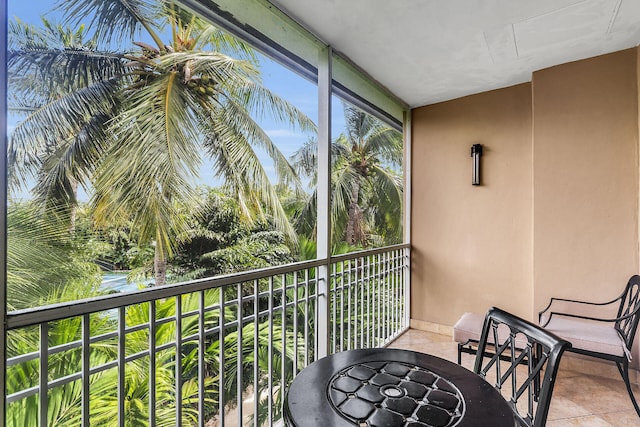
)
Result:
{"points": [[589, 336], [469, 327]]}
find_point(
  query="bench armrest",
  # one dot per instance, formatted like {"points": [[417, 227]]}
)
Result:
{"points": [[573, 308], [578, 316]]}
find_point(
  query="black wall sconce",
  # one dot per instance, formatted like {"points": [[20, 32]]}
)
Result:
{"points": [[476, 153]]}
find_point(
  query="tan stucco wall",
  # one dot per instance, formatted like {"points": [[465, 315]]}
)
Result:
{"points": [[471, 245], [585, 183], [557, 213]]}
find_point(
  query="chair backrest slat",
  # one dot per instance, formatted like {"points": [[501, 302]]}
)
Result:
{"points": [[501, 364]]}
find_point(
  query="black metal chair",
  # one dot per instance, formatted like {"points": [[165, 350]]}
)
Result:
{"points": [[526, 386], [607, 338]]}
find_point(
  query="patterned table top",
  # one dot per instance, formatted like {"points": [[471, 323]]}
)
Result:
{"points": [[392, 387]]}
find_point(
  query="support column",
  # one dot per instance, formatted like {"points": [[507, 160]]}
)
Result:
{"points": [[324, 199], [3, 209], [406, 226]]}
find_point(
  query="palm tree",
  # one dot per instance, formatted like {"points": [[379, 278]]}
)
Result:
{"points": [[134, 124], [366, 189], [54, 88]]}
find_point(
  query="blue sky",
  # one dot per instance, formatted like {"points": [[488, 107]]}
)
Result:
{"points": [[288, 85]]}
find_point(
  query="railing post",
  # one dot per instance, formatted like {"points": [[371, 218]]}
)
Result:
{"points": [[324, 200]]}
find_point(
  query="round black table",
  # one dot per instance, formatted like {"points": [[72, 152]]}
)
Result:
{"points": [[392, 388]]}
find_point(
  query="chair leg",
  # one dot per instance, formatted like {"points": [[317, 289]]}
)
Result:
{"points": [[536, 382], [459, 354], [624, 371]]}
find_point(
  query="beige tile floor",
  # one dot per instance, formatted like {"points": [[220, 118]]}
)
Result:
{"points": [[579, 399]]}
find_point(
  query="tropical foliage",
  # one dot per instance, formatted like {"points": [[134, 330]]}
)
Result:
{"points": [[131, 124], [43, 264], [221, 240], [366, 185], [218, 240]]}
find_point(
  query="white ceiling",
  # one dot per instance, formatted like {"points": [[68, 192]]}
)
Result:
{"points": [[427, 51]]}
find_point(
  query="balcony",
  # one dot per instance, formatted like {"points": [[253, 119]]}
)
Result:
{"points": [[556, 214]]}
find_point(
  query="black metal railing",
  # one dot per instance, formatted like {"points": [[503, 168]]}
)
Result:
{"points": [[217, 351]]}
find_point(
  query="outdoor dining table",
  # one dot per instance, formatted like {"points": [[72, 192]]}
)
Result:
{"points": [[392, 387]]}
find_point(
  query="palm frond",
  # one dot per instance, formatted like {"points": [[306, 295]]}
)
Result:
{"points": [[205, 37], [73, 162], [385, 143], [222, 69], [55, 58], [386, 203], [130, 15], [305, 159], [236, 160], [358, 124], [342, 180], [20, 105], [38, 256], [234, 116], [155, 161], [218, 40], [56, 121], [262, 102], [305, 221], [387, 185], [59, 71], [21, 35]]}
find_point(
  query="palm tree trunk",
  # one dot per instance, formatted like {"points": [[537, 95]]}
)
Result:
{"points": [[73, 209], [160, 267], [352, 225]]}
